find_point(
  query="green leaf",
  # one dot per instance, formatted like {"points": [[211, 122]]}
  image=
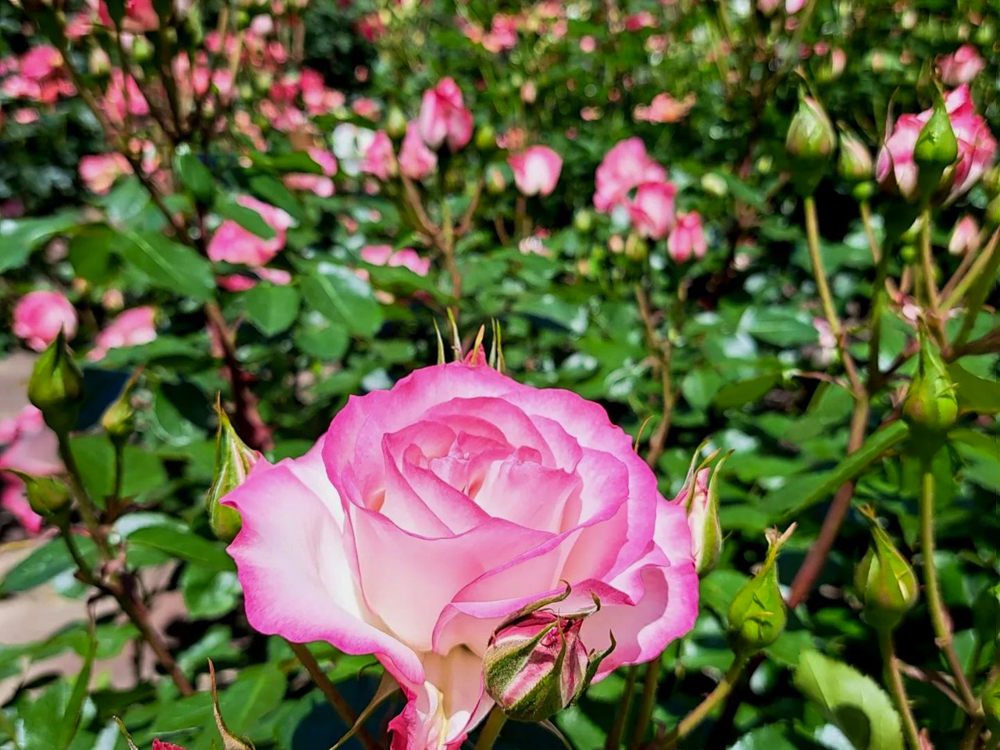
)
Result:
{"points": [[852, 701], [975, 394], [19, 238], [245, 217], [95, 458], [257, 690], [745, 392], [91, 253], [195, 176], [168, 265], [802, 491], [341, 297], [297, 161], [770, 737], [183, 544], [779, 326], [74, 709], [272, 309], [272, 191], [44, 564], [209, 593]]}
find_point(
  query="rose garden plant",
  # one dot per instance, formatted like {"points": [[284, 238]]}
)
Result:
{"points": [[425, 375]]}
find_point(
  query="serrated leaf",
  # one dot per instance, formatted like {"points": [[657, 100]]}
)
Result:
{"points": [[974, 394], [852, 701], [341, 297], [168, 265], [272, 309]]}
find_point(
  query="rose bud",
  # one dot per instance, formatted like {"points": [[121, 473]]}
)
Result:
{"points": [[993, 212], [991, 704], [700, 499], [119, 418], [56, 386], [855, 161], [757, 615], [46, 496], [233, 461], [964, 237], [811, 136], [931, 406], [395, 124], [885, 581], [535, 664], [496, 181], [936, 149]]}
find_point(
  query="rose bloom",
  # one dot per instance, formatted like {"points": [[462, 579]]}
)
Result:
{"points": [[40, 315], [896, 169], [961, 66], [379, 158], [429, 513], [443, 116], [536, 170], [407, 257], [652, 211], [100, 171], [664, 108], [416, 161], [26, 445], [131, 328], [625, 167], [234, 244], [319, 184], [687, 238]]}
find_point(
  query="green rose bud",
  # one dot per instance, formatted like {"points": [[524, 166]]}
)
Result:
{"points": [[931, 406], [496, 180], [119, 418], [936, 149], [810, 141], [233, 461], [757, 615], [583, 220], [46, 496], [885, 581], [991, 704], [993, 212], [395, 124], [56, 386], [535, 664], [486, 138], [855, 161], [636, 248]]}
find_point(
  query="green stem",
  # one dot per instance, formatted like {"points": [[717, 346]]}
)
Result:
{"points": [[894, 681], [707, 706], [649, 689], [932, 585], [614, 739], [83, 500], [878, 304], [927, 261], [491, 730]]}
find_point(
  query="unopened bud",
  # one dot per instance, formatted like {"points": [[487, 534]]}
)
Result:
{"points": [[855, 161], [583, 220], [142, 51], [885, 581], [233, 461], [993, 212], [535, 664], [486, 138], [964, 237], [56, 386], [636, 248], [119, 418], [700, 499], [991, 704], [46, 496], [395, 124], [811, 136], [936, 149], [931, 406], [98, 63], [496, 181], [757, 615]]}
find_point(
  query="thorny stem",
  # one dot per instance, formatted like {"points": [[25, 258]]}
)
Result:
{"points": [[894, 681], [815, 560], [649, 688], [491, 730], [617, 732], [662, 350], [932, 587], [332, 695], [131, 604], [701, 712], [826, 297]]}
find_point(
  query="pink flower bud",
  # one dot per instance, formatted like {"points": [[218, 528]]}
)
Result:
{"points": [[687, 238], [965, 237], [443, 116], [652, 211], [535, 663], [700, 499], [536, 171], [963, 65], [40, 315]]}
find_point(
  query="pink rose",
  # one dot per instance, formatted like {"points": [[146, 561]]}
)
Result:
{"points": [[429, 513], [625, 167], [652, 211], [964, 237], [31, 447], [664, 108], [961, 66], [416, 161], [321, 185], [100, 171], [41, 62], [131, 328], [407, 257], [687, 238], [40, 315], [379, 159], [536, 170], [443, 116], [234, 244]]}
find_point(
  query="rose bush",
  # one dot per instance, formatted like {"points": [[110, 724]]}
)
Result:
{"points": [[431, 512]]}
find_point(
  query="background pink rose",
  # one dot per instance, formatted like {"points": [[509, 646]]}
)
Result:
{"points": [[26, 445], [443, 116], [430, 512], [536, 171], [40, 315]]}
